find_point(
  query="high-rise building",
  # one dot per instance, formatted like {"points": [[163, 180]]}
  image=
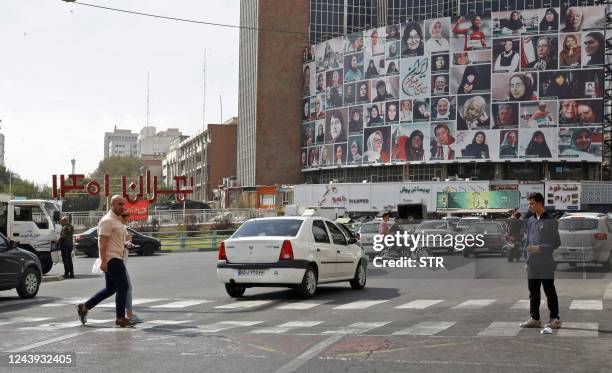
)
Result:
{"points": [[121, 143], [272, 41]]}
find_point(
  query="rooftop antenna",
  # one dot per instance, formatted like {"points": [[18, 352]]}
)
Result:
{"points": [[148, 94], [204, 96]]}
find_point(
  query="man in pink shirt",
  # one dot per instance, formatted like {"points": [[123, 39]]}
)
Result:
{"points": [[111, 243]]}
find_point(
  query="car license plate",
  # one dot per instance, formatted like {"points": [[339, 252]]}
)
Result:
{"points": [[251, 272], [570, 256]]}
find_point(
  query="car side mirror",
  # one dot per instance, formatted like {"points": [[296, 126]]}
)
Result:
{"points": [[13, 244], [352, 241]]}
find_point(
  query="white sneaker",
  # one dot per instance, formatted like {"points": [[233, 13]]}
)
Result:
{"points": [[553, 324], [531, 323]]}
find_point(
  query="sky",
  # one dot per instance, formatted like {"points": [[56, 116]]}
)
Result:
{"points": [[69, 73]]}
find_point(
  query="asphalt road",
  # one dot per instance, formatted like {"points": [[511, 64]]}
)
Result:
{"points": [[463, 318]]}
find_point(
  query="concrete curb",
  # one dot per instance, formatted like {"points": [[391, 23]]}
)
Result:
{"points": [[52, 278]]}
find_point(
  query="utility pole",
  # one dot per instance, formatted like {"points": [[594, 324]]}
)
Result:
{"points": [[221, 106], [73, 161], [148, 93]]}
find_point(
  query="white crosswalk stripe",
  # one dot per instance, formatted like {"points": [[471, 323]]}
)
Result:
{"points": [[358, 328], [579, 329], [523, 304], [182, 303], [64, 325], [590, 305], [224, 325], [244, 304], [426, 328], [284, 328], [17, 320], [420, 304], [359, 305], [474, 304], [135, 302], [156, 323], [300, 305], [502, 329]]}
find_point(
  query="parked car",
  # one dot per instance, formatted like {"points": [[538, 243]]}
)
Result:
{"points": [[494, 238], [19, 269], [465, 222], [296, 252], [440, 228], [452, 219], [365, 237], [87, 243], [585, 238]]}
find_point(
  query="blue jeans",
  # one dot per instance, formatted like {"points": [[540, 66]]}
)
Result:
{"points": [[116, 282]]}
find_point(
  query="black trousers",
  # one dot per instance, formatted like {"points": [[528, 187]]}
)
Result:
{"points": [[534, 297], [67, 260], [116, 281]]}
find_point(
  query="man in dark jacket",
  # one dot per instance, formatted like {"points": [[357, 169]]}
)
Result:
{"points": [[542, 239]]}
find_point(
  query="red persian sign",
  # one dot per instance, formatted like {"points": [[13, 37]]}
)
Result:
{"points": [[138, 210]]}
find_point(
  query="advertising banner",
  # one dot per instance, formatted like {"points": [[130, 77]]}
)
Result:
{"points": [[525, 190], [138, 210], [502, 86], [562, 195], [505, 200]]}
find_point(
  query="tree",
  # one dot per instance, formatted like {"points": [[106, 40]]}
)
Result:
{"points": [[12, 182], [118, 166]]}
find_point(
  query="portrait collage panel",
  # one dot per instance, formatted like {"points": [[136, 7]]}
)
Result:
{"points": [[501, 86]]}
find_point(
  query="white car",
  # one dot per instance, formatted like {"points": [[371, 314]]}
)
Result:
{"points": [[298, 252], [585, 238]]}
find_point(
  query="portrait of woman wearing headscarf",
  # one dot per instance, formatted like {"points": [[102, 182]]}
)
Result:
{"points": [[582, 141], [512, 25], [478, 149], [436, 42], [509, 145], [375, 152], [537, 146]]}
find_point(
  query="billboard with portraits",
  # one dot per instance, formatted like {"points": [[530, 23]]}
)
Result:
{"points": [[494, 87]]}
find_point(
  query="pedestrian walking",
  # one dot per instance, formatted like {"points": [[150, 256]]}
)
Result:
{"points": [[111, 244], [128, 244], [65, 244], [542, 239], [383, 227]]}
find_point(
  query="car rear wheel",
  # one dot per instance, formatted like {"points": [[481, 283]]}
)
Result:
{"points": [[234, 290], [308, 287], [148, 250], [360, 279], [46, 262], [29, 284]]}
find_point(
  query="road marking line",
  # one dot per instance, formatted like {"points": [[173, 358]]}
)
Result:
{"points": [[523, 304], [501, 329], [44, 343], [301, 305], [309, 354], [20, 301], [420, 304], [358, 328], [64, 325], [474, 304], [283, 328], [15, 320], [244, 304], [360, 305], [591, 305], [182, 304], [426, 328], [135, 302], [155, 323], [224, 325], [579, 329]]}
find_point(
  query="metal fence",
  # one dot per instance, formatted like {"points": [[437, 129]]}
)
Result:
{"points": [[191, 240], [176, 217]]}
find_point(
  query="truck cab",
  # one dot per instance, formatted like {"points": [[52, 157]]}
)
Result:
{"points": [[33, 224]]}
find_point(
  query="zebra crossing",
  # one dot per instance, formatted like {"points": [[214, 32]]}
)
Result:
{"points": [[222, 305], [315, 327]]}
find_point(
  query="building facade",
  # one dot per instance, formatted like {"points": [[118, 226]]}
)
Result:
{"points": [[208, 157], [151, 142], [270, 81], [122, 143]]}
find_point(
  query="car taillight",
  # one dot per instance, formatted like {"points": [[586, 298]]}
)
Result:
{"points": [[222, 255], [78, 238], [358, 236], [601, 236], [286, 252]]}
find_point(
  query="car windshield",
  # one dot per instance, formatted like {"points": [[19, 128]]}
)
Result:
{"points": [[432, 225], [577, 224], [269, 227], [464, 222], [369, 228], [484, 227]]}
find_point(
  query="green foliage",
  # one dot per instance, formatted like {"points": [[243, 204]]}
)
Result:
{"points": [[118, 166], [11, 182], [80, 202]]}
